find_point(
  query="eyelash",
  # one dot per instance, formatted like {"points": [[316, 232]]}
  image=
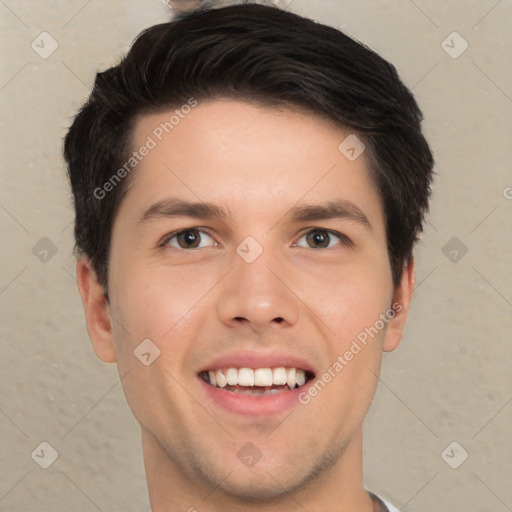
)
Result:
{"points": [[344, 240]]}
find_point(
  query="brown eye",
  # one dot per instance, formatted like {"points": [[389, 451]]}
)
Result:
{"points": [[187, 239], [319, 238]]}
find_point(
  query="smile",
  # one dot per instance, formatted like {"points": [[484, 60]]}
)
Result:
{"points": [[258, 381]]}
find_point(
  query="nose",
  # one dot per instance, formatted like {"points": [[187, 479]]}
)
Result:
{"points": [[258, 294]]}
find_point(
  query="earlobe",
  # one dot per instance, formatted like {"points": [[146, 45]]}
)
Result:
{"points": [[402, 297], [97, 312]]}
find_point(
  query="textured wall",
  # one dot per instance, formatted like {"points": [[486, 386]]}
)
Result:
{"points": [[449, 381]]}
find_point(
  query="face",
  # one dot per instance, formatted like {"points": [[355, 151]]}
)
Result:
{"points": [[282, 263]]}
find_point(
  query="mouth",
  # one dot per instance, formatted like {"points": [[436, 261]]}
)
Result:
{"points": [[257, 381]]}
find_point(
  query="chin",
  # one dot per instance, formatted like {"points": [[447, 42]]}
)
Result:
{"points": [[256, 489]]}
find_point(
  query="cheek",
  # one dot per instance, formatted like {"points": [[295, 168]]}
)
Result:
{"points": [[356, 312], [148, 304], [151, 309], [353, 299], [156, 305]]}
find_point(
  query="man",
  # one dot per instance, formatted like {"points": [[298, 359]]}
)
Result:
{"points": [[249, 185]]}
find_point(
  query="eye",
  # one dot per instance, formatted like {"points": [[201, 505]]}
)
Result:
{"points": [[322, 238], [186, 239], [190, 238]]}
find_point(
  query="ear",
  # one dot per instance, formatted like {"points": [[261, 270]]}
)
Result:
{"points": [[97, 310], [402, 296]]}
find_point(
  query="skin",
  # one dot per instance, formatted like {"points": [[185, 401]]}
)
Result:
{"points": [[257, 164]]}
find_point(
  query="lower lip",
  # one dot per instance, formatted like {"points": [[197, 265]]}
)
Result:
{"points": [[254, 405]]}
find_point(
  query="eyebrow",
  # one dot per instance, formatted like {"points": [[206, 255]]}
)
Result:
{"points": [[174, 207], [333, 209], [325, 210]]}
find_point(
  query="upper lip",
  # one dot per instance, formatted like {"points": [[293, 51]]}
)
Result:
{"points": [[258, 359]]}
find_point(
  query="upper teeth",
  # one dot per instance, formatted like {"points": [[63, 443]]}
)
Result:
{"points": [[257, 377]]}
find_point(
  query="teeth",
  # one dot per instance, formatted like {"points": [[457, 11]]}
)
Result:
{"points": [[257, 391], [300, 377], [262, 377], [279, 376], [232, 376], [290, 377], [245, 377], [221, 379]]}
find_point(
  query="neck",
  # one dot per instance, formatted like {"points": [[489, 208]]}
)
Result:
{"points": [[337, 486]]}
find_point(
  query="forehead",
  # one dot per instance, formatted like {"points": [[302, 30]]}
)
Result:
{"points": [[248, 158]]}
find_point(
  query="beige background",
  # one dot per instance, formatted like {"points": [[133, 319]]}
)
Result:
{"points": [[450, 380]]}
